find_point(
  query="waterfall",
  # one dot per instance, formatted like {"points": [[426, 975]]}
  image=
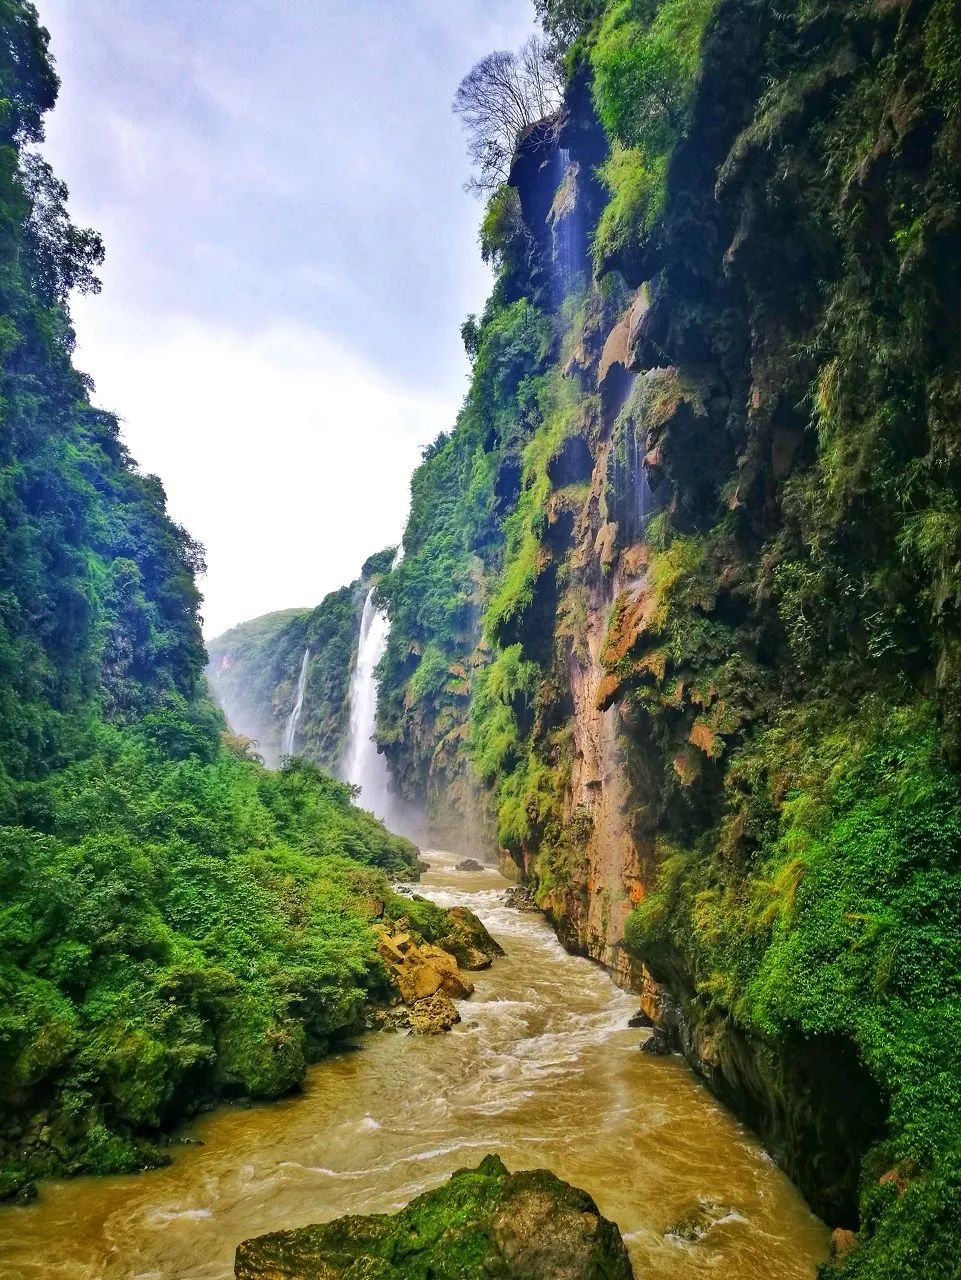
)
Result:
{"points": [[364, 766], [290, 733], [567, 223]]}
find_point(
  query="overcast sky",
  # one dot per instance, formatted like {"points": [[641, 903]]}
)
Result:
{"points": [[290, 255]]}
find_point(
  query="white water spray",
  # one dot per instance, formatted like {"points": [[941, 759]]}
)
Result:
{"points": [[364, 766], [293, 721]]}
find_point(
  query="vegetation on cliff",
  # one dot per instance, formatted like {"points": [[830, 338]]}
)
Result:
{"points": [[175, 922], [781, 641]]}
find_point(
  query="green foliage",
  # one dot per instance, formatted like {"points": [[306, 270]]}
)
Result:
{"points": [[505, 240], [644, 60], [452, 1231], [831, 906], [452, 545], [176, 923], [636, 185], [175, 929], [503, 697]]}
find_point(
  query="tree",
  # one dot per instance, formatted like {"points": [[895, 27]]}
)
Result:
{"points": [[500, 97], [59, 256], [564, 21]]}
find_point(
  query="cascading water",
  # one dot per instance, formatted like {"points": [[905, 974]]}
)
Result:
{"points": [[293, 721], [364, 766], [567, 224]]}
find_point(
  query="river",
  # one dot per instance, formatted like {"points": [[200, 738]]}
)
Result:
{"points": [[542, 1070]]}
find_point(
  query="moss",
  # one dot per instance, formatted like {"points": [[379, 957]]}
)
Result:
{"points": [[845, 925], [484, 1222]]}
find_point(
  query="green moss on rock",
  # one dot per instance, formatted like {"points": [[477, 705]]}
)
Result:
{"points": [[485, 1223]]}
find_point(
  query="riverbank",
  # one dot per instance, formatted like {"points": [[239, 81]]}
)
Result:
{"points": [[542, 1070]]}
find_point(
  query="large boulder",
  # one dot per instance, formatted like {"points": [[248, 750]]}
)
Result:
{"points": [[468, 941], [484, 1224], [433, 1015]]}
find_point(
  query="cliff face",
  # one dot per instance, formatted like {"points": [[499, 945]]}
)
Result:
{"points": [[700, 521]]}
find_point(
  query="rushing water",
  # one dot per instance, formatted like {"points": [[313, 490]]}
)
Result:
{"points": [[290, 734], [542, 1070]]}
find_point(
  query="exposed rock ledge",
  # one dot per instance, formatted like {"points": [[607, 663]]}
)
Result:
{"points": [[484, 1224]]}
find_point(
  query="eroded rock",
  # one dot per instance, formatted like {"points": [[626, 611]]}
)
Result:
{"points": [[484, 1224], [695, 1224], [433, 1015], [468, 941], [427, 979], [658, 1043]]}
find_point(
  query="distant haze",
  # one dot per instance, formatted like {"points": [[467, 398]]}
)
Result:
{"points": [[290, 256]]}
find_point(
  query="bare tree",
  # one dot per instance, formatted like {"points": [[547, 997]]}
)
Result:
{"points": [[498, 99]]}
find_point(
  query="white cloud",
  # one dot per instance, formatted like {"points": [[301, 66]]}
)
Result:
{"points": [[289, 257], [284, 452]]}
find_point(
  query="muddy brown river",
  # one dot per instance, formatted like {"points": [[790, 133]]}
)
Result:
{"points": [[543, 1070]]}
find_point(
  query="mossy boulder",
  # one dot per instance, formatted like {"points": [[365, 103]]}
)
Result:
{"points": [[468, 941], [486, 1223]]}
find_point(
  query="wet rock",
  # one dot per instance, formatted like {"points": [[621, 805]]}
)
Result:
{"points": [[17, 1186], [417, 982], [484, 1224], [521, 900], [469, 864], [394, 1018], [698, 1222], [434, 1015], [451, 978], [468, 941], [658, 1043], [425, 978], [640, 1019]]}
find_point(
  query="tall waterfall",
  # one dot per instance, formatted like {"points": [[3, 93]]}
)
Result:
{"points": [[364, 766], [293, 721]]}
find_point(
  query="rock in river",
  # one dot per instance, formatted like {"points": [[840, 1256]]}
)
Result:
{"points": [[484, 1224]]}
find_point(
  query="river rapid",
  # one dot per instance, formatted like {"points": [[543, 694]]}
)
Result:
{"points": [[543, 1070]]}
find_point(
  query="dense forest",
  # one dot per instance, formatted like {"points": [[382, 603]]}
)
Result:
{"points": [[176, 923]]}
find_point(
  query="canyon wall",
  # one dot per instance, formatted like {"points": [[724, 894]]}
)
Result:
{"points": [[254, 669], [679, 600]]}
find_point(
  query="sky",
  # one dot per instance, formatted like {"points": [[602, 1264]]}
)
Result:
{"points": [[290, 255]]}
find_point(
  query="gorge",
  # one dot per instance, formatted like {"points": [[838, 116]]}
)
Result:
{"points": [[672, 644]]}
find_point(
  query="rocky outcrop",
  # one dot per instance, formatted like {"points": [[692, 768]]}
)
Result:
{"points": [[426, 975], [468, 941], [813, 1102], [484, 1224], [521, 899]]}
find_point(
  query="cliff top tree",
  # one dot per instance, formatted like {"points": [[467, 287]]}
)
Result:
{"points": [[501, 96], [565, 21]]}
